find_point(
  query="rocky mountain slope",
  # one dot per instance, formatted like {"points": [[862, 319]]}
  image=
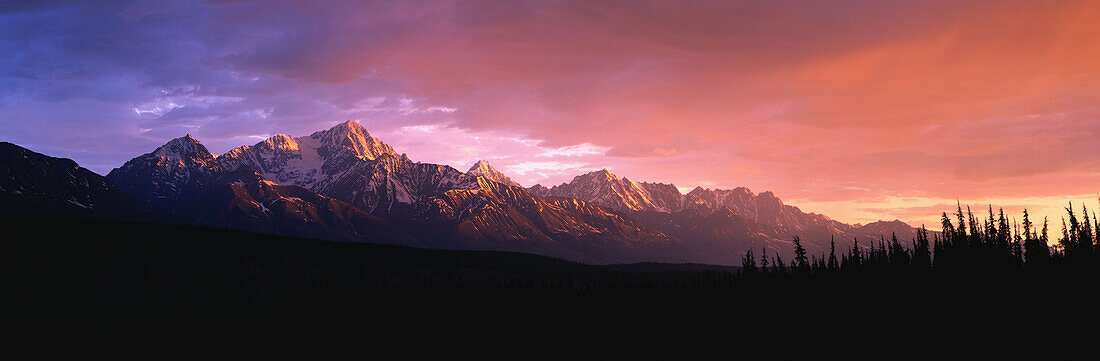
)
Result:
{"points": [[266, 207], [499, 216], [483, 169], [346, 163], [162, 177], [606, 189], [720, 224], [183, 178], [32, 184]]}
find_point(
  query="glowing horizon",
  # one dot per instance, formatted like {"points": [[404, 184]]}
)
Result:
{"points": [[858, 110]]}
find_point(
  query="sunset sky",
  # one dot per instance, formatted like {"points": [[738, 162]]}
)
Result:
{"points": [[860, 110]]}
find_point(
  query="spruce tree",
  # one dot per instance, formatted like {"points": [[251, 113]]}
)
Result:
{"points": [[855, 257], [748, 263], [1044, 239], [801, 263], [1017, 250], [832, 266], [922, 256], [1085, 231], [962, 221], [764, 259]]}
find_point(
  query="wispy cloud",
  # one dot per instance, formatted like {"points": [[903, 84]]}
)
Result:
{"points": [[582, 149], [547, 168]]}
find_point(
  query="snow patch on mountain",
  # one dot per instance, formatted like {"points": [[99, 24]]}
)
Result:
{"points": [[606, 189], [347, 163], [181, 166]]}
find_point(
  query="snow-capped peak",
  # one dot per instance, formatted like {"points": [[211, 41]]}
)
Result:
{"points": [[282, 142], [184, 142], [605, 188], [604, 174], [483, 169], [185, 148], [159, 178], [350, 135], [344, 162]]}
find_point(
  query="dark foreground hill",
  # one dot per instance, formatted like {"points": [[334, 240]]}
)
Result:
{"points": [[36, 184], [93, 280]]}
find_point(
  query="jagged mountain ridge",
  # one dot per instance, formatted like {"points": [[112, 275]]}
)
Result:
{"points": [[310, 161], [162, 177], [442, 207], [606, 189], [347, 163], [484, 169], [496, 215], [183, 178], [719, 222]]}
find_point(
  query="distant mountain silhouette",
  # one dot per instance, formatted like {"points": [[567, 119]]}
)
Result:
{"points": [[34, 184]]}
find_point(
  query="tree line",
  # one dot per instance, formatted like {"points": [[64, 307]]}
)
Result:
{"points": [[967, 243]]}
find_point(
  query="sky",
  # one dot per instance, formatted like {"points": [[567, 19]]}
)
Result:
{"points": [[859, 110]]}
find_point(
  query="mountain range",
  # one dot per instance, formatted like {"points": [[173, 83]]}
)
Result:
{"points": [[719, 222], [344, 184]]}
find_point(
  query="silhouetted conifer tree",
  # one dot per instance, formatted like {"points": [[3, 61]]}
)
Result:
{"points": [[778, 267], [1070, 242], [855, 257], [897, 254], [962, 221], [943, 247], [748, 263], [832, 265], [764, 259], [1017, 250], [1036, 250], [922, 256], [1085, 232], [801, 263]]}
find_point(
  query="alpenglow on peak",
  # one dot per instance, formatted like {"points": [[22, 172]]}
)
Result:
{"points": [[484, 169], [185, 148], [350, 135]]}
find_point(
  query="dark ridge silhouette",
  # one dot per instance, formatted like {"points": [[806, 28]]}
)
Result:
{"points": [[35, 184]]}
